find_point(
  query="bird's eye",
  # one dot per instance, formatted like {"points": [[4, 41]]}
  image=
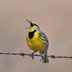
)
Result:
{"points": [[36, 25]]}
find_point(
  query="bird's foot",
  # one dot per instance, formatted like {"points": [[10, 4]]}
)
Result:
{"points": [[32, 55]]}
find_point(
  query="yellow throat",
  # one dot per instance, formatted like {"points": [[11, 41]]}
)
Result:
{"points": [[33, 40]]}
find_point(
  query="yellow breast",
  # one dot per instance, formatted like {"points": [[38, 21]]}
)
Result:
{"points": [[35, 43]]}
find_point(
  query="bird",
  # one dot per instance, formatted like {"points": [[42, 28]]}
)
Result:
{"points": [[37, 41]]}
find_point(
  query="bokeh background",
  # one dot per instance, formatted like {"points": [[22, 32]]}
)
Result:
{"points": [[54, 18]]}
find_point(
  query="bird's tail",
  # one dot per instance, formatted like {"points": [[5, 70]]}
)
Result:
{"points": [[44, 57]]}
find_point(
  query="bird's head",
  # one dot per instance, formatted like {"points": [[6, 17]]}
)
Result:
{"points": [[33, 25]]}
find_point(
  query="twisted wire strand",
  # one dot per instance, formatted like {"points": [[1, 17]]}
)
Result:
{"points": [[25, 54]]}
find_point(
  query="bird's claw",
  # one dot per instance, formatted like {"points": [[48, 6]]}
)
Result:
{"points": [[32, 56]]}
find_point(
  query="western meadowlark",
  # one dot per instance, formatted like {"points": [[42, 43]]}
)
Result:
{"points": [[37, 41]]}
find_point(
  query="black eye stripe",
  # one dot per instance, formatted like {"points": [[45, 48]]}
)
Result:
{"points": [[31, 24], [35, 25]]}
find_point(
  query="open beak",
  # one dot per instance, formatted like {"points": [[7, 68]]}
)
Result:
{"points": [[31, 24]]}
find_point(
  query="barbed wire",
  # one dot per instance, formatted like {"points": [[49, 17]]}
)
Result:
{"points": [[24, 54]]}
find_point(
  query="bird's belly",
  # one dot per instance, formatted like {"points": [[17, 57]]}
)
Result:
{"points": [[35, 45]]}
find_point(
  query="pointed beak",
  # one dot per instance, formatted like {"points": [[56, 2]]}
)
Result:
{"points": [[31, 24]]}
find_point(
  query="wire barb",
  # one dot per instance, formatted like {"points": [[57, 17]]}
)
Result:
{"points": [[24, 54]]}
